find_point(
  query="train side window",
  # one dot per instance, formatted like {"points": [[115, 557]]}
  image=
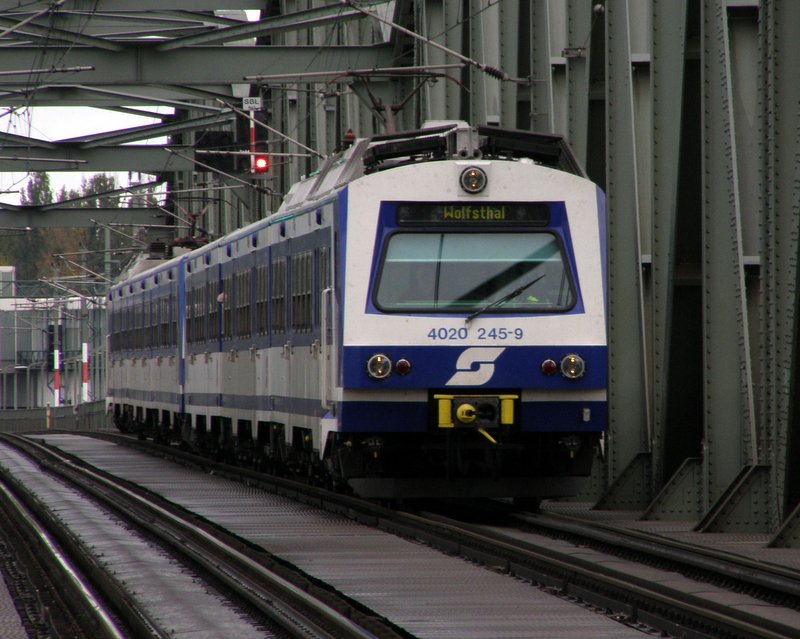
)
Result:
{"points": [[302, 280], [189, 315], [139, 319], [243, 294], [124, 322], [173, 320], [163, 321], [136, 319], [151, 324], [278, 296], [130, 325], [323, 278], [200, 313], [212, 304], [225, 298], [262, 300]]}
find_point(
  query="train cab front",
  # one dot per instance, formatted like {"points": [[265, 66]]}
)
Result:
{"points": [[456, 313]]}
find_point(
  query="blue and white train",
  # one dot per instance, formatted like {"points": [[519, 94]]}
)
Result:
{"points": [[423, 316]]}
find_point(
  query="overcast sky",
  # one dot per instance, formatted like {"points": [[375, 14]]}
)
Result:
{"points": [[60, 123]]}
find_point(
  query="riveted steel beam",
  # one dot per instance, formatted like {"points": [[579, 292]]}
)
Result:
{"points": [[580, 23], [314, 17], [29, 217], [484, 93], [48, 34], [71, 157], [780, 146], [444, 98], [129, 5], [681, 498], [195, 66], [541, 115], [743, 506], [629, 426], [729, 420], [668, 76]]}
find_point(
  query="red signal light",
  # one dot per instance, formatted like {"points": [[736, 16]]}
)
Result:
{"points": [[260, 163]]}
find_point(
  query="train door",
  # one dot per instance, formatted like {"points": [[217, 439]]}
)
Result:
{"points": [[279, 365], [327, 320], [261, 322], [235, 368], [216, 318], [244, 366]]}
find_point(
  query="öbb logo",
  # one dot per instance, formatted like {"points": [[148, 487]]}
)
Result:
{"points": [[467, 375]]}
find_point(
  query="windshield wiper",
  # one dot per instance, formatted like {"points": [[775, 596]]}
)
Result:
{"points": [[506, 298]]}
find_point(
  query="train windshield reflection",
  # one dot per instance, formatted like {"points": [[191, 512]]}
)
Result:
{"points": [[465, 272]]}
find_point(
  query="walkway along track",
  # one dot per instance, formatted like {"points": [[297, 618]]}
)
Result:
{"points": [[242, 570], [676, 605]]}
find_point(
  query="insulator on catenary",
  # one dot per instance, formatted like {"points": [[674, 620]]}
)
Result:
{"points": [[494, 72]]}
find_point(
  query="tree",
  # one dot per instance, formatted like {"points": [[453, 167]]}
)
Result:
{"points": [[27, 250], [33, 252], [85, 250]]}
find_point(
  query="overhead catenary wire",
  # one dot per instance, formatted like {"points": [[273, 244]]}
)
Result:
{"points": [[160, 208], [83, 268], [487, 69], [113, 230]]}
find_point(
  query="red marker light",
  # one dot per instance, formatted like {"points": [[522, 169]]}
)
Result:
{"points": [[549, 367], [403, 366]]}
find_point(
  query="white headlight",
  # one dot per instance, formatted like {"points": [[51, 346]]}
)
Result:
{"points": [[379, 366], [473, 179], [573, 366]]}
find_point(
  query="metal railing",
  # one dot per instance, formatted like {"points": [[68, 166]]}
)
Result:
{"points": [[89, 416]]}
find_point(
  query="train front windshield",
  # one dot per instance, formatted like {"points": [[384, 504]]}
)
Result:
{"points": [[468, 272]]}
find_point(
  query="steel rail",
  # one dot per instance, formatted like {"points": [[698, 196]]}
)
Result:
{"points": [[739, 568], [68, 560], [272, 595]]}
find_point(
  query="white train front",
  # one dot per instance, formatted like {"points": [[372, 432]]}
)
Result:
{"points": [[424, 316]]}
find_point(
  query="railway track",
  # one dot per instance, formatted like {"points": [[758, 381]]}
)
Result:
{"points": [[567, 558], [710, 593], [769, 582], [285, 604], [52, 599]]}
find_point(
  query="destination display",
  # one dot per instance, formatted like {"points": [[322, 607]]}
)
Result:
{"points": [[518, 213]]}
